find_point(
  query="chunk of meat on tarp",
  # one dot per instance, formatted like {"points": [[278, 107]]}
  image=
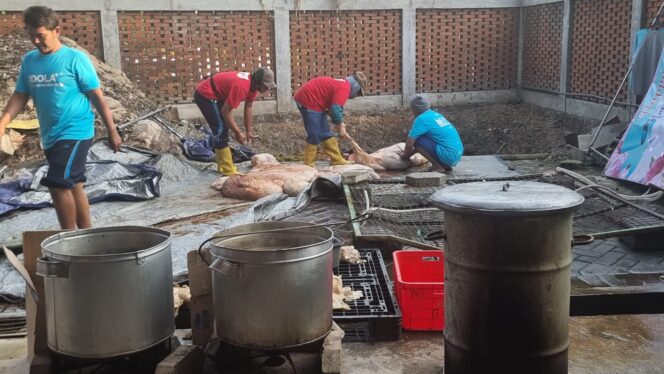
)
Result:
{"points": [[265, 179], [388, 158]]}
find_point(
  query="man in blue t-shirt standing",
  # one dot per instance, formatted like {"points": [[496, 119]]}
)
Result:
{"points": [[432, 136], [62, 83]]}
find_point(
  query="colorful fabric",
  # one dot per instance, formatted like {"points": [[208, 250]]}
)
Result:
{"points": [[639, 156], [234, 87], [436, 127], [58, 83]]}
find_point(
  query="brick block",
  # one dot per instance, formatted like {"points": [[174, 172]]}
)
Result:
{"points": [[646, 268], [577, 266], [331, 356], [609, 258], [186, 359], [596, 269]]}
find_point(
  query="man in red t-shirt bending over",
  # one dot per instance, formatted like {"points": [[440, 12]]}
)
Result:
{"points": [[318, 98], [217, 96]]}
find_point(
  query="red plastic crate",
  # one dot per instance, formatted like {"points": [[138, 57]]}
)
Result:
{"points": [[419, 278]]}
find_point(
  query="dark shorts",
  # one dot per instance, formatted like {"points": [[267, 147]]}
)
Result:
{"points": [[430, 147], [66, 163], [316, 125]]}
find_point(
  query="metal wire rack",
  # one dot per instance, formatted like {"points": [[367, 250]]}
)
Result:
{"points": [[403, 213]]}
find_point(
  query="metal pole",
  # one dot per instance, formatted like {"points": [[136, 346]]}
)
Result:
{"points": [[124, 125], [629, 70]]}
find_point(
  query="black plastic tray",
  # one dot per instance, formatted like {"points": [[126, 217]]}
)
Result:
{"points": [[375, 316]]}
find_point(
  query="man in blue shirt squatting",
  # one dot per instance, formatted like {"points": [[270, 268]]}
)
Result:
{"points": [[62, 83], [432, 136]]}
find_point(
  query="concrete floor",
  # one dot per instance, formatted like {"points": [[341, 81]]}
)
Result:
{"points": [[598, 345]]}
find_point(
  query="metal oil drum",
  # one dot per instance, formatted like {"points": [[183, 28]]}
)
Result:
{"points": [[507, 276]]}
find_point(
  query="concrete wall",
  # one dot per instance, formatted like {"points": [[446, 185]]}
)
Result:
{"points": [[282, 12]]}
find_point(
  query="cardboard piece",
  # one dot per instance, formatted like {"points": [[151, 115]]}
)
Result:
{"points": [[16, 263], [200, 275], [202, 319], [200, 305], [6, 146], [38, 353], [29, 124]]}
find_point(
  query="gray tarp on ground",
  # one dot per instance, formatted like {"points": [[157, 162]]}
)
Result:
{"points": [[185, 192], [130, 179]]}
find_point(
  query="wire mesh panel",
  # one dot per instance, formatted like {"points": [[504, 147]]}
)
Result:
{"points": [[600, 46], [168, 53], [336, 43], [403, 214], [466, 49], [83, 27], [400, 213], [542, 42]]}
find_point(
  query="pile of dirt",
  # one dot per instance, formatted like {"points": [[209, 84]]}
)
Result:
{"points": [[504, 128], [125, 100]]}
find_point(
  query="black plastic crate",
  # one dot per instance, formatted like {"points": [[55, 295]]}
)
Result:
{"points": [[375, 316]]}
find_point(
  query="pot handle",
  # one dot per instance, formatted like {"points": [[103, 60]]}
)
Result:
{"points": [[48, 268], [227, 268], [582, 239]]}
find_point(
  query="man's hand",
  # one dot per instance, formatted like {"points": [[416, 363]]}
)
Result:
{"points": [[239, 136], [403, 156], [341, 130], [250, 137], [114, 140]]}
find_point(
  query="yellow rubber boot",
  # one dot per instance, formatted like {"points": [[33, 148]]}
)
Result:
{"points": [[310, 151], [331, 148], [225, 163]]}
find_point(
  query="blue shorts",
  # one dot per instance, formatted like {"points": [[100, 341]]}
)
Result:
{"points": [[66, 163], [430, 146], [316, 125]]}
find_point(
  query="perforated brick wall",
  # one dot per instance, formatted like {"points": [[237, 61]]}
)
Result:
{"points": [[335, 44], [167, 53], [82, 27], [600, 46], [542, 43], [467, 50]]}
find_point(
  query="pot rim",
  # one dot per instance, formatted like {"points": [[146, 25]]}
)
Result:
{"points": [[136, 255], [219, 250]]}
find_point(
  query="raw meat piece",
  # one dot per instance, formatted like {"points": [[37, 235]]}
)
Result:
{"points": [[388, 158], [265, 178]]}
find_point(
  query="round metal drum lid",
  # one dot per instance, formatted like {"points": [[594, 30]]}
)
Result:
{"points": [[515, 198]]}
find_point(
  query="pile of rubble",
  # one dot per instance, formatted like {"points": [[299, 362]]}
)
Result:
{"points": [[124, 99]]}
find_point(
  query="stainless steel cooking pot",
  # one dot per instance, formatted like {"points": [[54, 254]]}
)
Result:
{"points": [[272, 290], [108, 291]]}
